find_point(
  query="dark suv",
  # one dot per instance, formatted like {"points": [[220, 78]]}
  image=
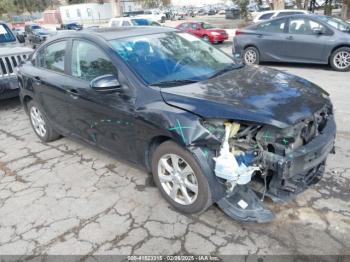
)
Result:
{"points": [[12, 53]]}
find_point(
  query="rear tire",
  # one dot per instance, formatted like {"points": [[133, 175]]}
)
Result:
{"points": [[251, 56], [40, 124], [340, 59], [180, 179]]}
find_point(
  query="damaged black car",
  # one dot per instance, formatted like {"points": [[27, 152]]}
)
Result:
{"points": [[208, 129]]}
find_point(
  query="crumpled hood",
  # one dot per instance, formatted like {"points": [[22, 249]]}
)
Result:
{"points": [[250, 93]]}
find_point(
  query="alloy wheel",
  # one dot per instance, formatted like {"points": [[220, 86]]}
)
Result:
{"points": [[177, 179], [250, 57], [342, 59], [38, 121]]}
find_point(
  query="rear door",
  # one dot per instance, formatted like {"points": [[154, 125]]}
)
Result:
{"points": [[304, 43], [103, 119], [50, 83], [269, 37]]}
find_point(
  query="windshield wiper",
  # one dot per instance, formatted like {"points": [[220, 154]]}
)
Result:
{"points": [[176, 82], [226, 69]]}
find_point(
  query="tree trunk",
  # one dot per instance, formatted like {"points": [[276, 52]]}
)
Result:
{"points": [[345, 11], [278, 4]]}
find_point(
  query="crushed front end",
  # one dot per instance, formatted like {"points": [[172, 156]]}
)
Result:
{"points": [[269, 161]]}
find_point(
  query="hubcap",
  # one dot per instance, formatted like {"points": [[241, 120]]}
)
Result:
{"points": [[342, 60], [250, 57], [38, 121], [178, 179]]}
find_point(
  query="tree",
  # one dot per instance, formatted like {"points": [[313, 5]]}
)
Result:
{"points": [[154, 3], [345, 12], [243, 7], [6, 7], [278, 4]]}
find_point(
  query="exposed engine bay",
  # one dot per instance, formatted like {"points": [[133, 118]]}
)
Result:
{"points": [[255, 161]]}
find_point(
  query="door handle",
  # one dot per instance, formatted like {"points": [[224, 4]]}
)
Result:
{"points": [[37, 79], [290, 37], [259, 35], [73, 93]]}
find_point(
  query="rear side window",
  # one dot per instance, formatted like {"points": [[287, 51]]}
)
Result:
{"points": [[266, 16], [288, 13], [6, 34], [52, 57], [89, 61], [274, 26]]}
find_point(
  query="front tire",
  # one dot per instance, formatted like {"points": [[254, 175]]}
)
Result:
{"points": [[41, 126], [180, 179], [340, 59], [251, 56], [206, 38]]}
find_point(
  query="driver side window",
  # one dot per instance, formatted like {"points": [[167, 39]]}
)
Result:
{"points": [[89, 61]]}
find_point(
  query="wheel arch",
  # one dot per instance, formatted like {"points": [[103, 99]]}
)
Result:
{"points": [[26, 100], [152, 145], [335, 48]]}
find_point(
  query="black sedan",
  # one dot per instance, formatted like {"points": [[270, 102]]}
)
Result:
{"points": [[209, 130], [297, 38]]}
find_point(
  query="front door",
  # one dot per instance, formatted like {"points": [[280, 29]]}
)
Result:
{"points": [[306, 41], [103, 119]]}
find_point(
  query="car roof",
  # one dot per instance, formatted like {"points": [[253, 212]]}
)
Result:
{"points": [[110, 33]]}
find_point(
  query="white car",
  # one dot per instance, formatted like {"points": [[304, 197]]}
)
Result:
{"points": [[266, 15], [155, 15], [131, 21]]}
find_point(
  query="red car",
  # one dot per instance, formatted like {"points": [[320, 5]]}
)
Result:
{"points": [[206, 31]]}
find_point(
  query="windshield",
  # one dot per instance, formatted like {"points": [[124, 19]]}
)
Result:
{"points": [[336, 23], [6, 35], [206, 26], [35, 27], [172, 56]]}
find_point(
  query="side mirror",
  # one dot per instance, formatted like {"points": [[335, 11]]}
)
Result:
{"points": [[21, 39], [318, 31], [105, 83]]}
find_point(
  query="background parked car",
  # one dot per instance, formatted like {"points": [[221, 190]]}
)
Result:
{"points": [[12, 54], [131, 21], [298, 38], [203, 30], [266, 15], [36, 34], [71, 26], [154, 15]]}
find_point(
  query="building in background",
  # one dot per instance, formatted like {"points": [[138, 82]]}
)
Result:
{"points": [[130, 5], [52, 17], [94, 12]]}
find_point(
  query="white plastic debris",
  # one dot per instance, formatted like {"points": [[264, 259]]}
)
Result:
{"points": [[226, 166]]}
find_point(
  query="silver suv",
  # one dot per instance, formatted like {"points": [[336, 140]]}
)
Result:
{"points": [[12, 54]]}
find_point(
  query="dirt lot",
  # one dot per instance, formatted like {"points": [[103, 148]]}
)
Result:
{"points": [[67, 198]]}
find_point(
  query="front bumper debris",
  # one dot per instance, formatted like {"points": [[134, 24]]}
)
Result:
{"points": [[244, 205], [291, 175]]}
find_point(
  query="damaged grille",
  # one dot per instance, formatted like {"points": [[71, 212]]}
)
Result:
{"points": [[9, 63]]}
